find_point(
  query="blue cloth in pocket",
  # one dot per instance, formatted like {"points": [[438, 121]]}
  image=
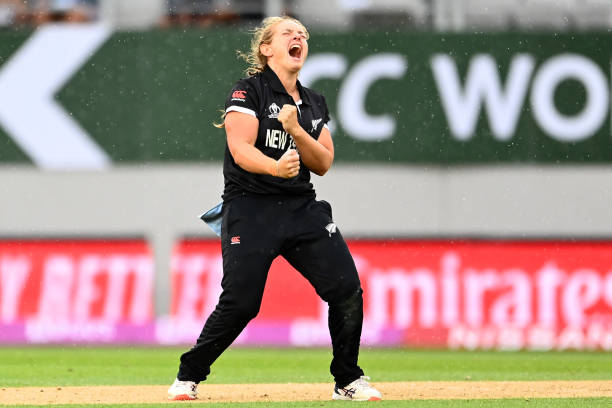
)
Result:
{"points": [[213, 218]]}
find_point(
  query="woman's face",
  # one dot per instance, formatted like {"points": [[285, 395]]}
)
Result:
{"points": [[288, 48]]}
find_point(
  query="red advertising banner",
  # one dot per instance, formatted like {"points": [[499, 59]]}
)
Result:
{"points": [[69, 290], [466, 294]]}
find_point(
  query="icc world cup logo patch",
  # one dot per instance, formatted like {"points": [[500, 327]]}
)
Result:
{"points": [[274, 111]]}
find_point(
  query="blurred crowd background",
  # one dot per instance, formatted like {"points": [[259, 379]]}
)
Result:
{"points": [[438, 15]]}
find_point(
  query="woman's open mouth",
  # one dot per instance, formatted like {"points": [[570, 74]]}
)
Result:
{"points": [[295, 51]]}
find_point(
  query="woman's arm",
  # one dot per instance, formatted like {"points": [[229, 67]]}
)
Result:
{"points": [[241, 130], [317, 155]]}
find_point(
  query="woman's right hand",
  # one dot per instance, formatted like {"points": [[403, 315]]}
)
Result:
{"points": [[288, 165]]}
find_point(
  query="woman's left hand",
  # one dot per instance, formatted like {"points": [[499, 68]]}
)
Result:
{"points": [[288, 117]]}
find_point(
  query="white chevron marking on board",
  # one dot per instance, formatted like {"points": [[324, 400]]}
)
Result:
{"points": [[28, 82]]}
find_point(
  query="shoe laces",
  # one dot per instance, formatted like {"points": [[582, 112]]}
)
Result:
{"points": [[192, 385], [362, 381]]}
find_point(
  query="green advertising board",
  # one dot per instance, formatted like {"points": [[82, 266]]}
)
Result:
{"points": [[395, 97]]}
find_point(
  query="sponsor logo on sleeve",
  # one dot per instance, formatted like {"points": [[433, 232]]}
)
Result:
{"points": [[239, 96]]}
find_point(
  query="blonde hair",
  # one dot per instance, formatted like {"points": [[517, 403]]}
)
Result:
{"points": [[262, 34]]}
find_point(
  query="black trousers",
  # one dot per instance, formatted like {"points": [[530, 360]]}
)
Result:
{"points": [[257, 229]]}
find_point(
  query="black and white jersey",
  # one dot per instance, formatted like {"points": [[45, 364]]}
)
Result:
{"points": [[263, 95]]}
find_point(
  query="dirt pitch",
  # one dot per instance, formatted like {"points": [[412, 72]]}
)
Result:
{"points": [[307, 392]]}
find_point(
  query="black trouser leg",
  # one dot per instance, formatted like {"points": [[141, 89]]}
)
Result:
{"points": [[245, 270], [222, 327], [345, 320], [324, 259]]}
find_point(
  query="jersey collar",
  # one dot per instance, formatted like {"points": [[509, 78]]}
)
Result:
{"points": [[277, 85]]}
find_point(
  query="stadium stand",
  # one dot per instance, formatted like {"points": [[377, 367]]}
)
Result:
{"points": [[45, 11], [525, 15], [12, 12], [398, 13], [593, 14], [436, 15], [36, 12], [207, 12]]}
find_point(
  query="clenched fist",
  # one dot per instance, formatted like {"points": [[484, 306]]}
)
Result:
{"points": [[288, 117], [289, 164]]}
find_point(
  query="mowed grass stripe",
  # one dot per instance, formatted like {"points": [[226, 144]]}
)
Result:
{"points": [[461, 403], [66, 366]]}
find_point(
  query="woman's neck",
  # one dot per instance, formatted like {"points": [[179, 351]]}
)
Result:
{"points": [[288, 79]]}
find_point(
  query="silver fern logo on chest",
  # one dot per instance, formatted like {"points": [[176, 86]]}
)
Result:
{"points": [[331, 228], [315, 124]]}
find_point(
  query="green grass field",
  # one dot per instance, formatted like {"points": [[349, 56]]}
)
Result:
{"points": [[65, 366]]}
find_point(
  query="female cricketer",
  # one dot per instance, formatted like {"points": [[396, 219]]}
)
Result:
{"points": [[277, 134]]}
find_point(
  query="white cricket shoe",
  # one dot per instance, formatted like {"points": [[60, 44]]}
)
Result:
{"points": [[183, 390], [358, 390]]}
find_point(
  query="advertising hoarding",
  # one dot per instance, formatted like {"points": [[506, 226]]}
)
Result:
{"points": [[461, 294], [472, 294], [83, 291], [394, 97]]}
